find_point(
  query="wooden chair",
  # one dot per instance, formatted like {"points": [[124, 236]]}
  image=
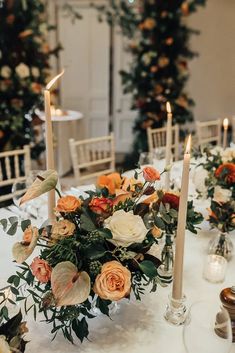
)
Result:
{"points": [[11, 170], [92, 157], [209, 132], [157, 139]]}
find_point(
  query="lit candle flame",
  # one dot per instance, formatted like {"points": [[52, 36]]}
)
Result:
{"points": [[188, 145], [51, 83], [168, 107], [225, 123]]}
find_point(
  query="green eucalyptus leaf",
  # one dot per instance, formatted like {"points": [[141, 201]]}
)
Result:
{"points": [[12, 230], [25, 224], [148, 268], [3, 222]]}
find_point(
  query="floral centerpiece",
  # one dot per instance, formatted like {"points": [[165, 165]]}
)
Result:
{"points": [[98, 251], [162, 210], [95, 253], [219, 182]]}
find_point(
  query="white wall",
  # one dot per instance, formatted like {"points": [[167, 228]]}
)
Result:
{"points": [[212, 81]]}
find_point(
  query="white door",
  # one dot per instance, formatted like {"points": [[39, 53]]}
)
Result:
{"points": [[123, 116], [85, 58]]}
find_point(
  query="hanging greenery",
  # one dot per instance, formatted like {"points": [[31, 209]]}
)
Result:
{"points": [[159, 44], [24, 67]]}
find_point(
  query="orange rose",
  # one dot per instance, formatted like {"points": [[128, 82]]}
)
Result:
{"points": [[185, 8], [28, 233], [151, 199], [36, 87], [114, 281], [151, 174], [68, 203], [211, 214], [41, 270], [149, 24], [101, 205], [227, 172], [156, 232], [111, 182]]}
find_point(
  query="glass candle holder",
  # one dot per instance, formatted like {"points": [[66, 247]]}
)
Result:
{"points": [[176, 311], [215, 268]]}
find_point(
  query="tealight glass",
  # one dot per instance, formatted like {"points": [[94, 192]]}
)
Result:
{"points": [[215, 268]]}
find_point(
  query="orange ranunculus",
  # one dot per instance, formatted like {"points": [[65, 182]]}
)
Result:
{"points": [[68, 203], [121, 196], [172, 199], [28, 234], [130, 184], [151, 199], [101, 205], [114, 281], [41, 270], [227, 172], [111, 182], [151, 174]]}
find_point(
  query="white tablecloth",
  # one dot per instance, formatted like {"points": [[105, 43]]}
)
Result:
{"points": [[139, 326]]}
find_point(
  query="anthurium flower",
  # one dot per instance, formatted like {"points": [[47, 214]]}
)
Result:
{"points": [[4, 346], [22, 250], [46, 182], [69, 286]]}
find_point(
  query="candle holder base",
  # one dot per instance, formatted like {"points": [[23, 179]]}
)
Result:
{"points": [[176, 311]]}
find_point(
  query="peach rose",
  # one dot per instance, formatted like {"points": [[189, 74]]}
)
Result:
{"points": [[151, 174], [101, 205], [41, 270], [68, 204], [156, 232], [62, 229], [114, 281], [151, 199]]}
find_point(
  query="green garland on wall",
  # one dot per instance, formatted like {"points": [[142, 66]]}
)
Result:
{"points": [[159, 44], [24, 67]]}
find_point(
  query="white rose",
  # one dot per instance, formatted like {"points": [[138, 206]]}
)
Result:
{"points": [[22, 70], [4, 346], [228, 154], [126, 228], [6, 71], [35, 71], [216, 150], [222, 195], [199, 177]]}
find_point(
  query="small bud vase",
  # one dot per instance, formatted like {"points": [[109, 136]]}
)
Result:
{"points": [[167, 258], [221, 245]]}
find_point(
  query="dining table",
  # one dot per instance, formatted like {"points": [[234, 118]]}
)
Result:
{"points": [[136, 326]]}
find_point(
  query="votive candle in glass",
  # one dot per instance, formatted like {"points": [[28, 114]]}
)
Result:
{"points": [[215, 268]]}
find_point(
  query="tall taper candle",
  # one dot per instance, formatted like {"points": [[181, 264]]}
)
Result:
{"points": [[180, 234], [168, 144], [50, 164], [225, 135]]}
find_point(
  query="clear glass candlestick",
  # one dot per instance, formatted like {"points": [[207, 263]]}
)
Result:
{"points": [[215, 268], [176, 311]]}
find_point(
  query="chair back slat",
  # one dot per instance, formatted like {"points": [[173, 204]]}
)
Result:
{"points": [[157, 139], [209, 132], [14, 167], [90, 154]]}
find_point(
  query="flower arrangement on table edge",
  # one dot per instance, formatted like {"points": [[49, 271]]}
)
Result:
{"points": [[219, 186], [96, 252]]}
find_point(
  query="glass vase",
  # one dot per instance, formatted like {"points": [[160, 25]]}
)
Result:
{"points": [[221, 245], [165, 270]]}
